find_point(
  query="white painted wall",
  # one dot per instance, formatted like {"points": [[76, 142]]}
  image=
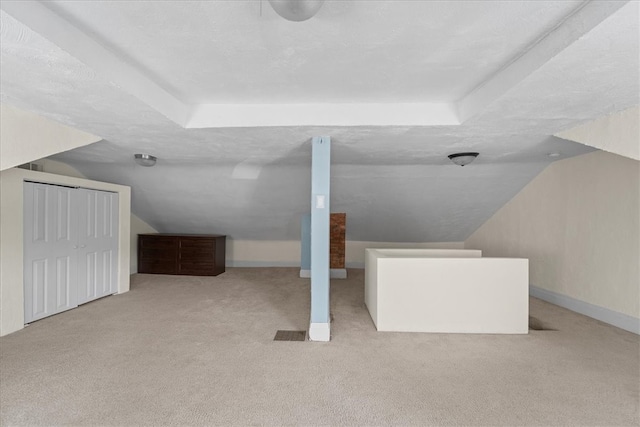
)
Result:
{"points": [[617, 133], [372, 256], [11, 238], [25, 137], [579, 224]]}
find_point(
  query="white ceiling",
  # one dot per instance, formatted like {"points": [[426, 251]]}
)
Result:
{"points": [[352, 51], [512, 73]]}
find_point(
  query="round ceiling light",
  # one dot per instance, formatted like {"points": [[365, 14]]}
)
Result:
{"points": [[145, 159], [462, 159], [296, 10]]}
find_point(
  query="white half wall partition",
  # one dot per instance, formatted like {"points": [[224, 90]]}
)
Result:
{"points": [[12, 238], [356, 250], [446, 291]]}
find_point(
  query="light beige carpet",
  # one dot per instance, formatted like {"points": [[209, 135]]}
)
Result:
{"points": [[200, 351]]}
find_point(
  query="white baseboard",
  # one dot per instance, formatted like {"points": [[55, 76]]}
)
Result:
{"points": [[620, 320], [319, 332], [338, 273], [355, 264], [334, 273], [262, 263]]}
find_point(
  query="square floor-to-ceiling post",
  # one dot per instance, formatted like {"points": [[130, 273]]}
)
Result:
{"points": [[319, 329]]}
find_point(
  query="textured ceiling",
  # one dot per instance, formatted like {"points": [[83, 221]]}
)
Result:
{"points": [[394, 182], [352, 51]]}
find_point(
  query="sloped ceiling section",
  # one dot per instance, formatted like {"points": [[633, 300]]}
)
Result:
{"points": [[411, 82]]}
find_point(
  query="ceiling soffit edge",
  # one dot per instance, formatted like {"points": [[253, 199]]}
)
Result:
{"points": [[326, 114], [566, 32]]}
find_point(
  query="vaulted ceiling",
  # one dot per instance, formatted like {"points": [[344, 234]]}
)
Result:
{"points": [[227, 95]]}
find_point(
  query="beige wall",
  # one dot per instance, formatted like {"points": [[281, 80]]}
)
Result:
{"points": [[59, 168], [250, 253], [618, 133], [579, 224], [287, 252], [25, 137], [11, 238]]}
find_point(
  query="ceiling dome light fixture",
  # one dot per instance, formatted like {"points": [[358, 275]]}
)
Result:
{"points": [[296, 10], [462, 159], [145, 159]]}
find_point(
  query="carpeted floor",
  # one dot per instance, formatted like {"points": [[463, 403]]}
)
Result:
{"points": [[200, 351]]}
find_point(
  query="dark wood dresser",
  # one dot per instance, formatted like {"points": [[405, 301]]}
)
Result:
{"points": [[187, 254]]}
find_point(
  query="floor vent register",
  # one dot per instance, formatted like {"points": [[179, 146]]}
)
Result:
{"points": [[290, 336]]}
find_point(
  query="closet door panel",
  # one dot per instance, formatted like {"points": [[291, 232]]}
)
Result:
{"points": [[98, 244], [50, 249]]}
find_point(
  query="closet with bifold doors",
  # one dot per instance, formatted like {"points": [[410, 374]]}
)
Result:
{"points": [[70, 247]]}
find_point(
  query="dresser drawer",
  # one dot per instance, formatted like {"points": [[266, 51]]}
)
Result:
{"points": [[197, 244], [191, 253], [148, 242], [195, 255], [156, 254], [158, 267], [197, 268]]}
